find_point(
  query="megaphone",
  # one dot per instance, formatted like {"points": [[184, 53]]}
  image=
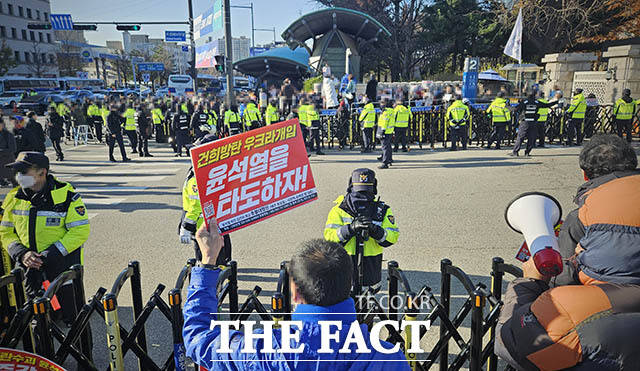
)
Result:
{"points": [[534, 214]]}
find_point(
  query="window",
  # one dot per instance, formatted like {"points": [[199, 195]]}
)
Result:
{"points": [[43, 58], [32, 36], [24, 34], [40, 37], [37, 14], [10, 9], [46, 17], [49, 38], [27, 57], [14, 33], [20, 11], [52, 59], [29, 13], [16, 56], [3, 31]]}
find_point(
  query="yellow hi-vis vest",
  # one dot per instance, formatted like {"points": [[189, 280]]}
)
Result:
{"points": [[499, 111], [578, 106], [458, 114], [302, 115], [130, 119], [403, 114], [624, 110], [272, 115], [157, 116], [387, 121], [543, 113], [368, 116], [191, 205]]}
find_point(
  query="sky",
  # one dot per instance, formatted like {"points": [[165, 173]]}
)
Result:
{"points": [[267, 14]]}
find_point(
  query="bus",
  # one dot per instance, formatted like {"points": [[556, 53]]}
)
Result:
{"points": [[180, 85], [73, 83], [8, 83], [209, 84]]}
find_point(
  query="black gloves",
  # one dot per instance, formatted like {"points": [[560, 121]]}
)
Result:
{"points": [[360, 224], [376, 232]]}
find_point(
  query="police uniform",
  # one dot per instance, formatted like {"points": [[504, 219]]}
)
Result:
{"points": [[623, 113], [577, 109], [382, 229], [251, 117], [458, 117], [529, 114], [130, 128], [500, 116], [181, 129], [272, 116], [232, 122], [541, 127], [386, 128], [53, 222], [192, 220], [402, 117], [200, 123], [367, 121], [95, 117], [314, 126], [158, 120]]}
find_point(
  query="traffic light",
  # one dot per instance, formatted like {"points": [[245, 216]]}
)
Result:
{"points": [[85, 27], [220, 61], [39, 26], [128, 27]]}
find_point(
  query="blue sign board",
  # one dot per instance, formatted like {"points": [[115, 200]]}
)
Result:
{"points": [[470, 78], [185, 48], [61, 22], [257, 50], [150, 67], [175, 36]]}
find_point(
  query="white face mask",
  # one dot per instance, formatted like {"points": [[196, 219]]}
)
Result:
{"points": [[25, 181]]}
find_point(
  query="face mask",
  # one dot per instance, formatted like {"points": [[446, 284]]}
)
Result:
{"points": [[25, 181]]}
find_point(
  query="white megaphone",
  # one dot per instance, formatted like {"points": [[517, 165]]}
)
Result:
{"points": [[534, 214]]}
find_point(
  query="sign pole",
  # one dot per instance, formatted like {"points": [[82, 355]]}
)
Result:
{"points": [[133, 69], [228, 52], [193, 72]]}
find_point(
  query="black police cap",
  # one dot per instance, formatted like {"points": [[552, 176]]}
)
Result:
{"points": [[29, 159], [363, 180]]}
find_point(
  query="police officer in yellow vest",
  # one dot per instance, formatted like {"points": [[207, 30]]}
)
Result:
{"points": [[403, 115], [386, 127], [95, 119], [543, 116], [623, 112], [458, 117], [44, 226], [500, 117], [359, 220], [577, 110], [315, 127], [130, 127], [367, 121], [251, 116], [158, 122], [64, 112], [232, 122], [271, 115], [192, 217], [305, 124]]}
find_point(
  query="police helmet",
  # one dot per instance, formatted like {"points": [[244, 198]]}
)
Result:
{"points": [[626, 92]]}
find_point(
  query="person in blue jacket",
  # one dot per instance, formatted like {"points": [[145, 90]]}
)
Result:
{"points": [[320, 286]]}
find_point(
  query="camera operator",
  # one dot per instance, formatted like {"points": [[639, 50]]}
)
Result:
{"points": [[320, 280], [589, 324], [357, 219], [608, 165]]}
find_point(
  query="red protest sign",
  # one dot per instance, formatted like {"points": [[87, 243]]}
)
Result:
{"points": [[249, 177], [12, 359]]}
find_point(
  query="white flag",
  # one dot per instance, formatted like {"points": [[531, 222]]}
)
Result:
{"points": [[514, 45]]}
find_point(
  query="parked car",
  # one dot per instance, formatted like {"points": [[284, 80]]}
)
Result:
{"points": [[38, 103], [9, 99], [161, 93], [76, 95]]}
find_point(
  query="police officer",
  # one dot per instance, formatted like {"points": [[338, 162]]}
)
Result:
{"points": [[528, 111], [144, 130], [192, 217], [251, 117], [44, 226], [303, 121], [367, 121], [402, 117], [386, 127], [623, 112], [458, 116], [114, 133], [130, 127], [94, 118], [358, 220], [577, 110], [232, 122], [313, 120], [271, 115], [500, 117], [181, 129], [212, 122], [65, 113], [543, 116], [157, 117], [200, 122]]}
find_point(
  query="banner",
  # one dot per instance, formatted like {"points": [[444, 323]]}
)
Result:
{"points": [[249, 177], [206, 55], [209, 21], [12, 359]]}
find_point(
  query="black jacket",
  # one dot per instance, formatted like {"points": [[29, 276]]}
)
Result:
{"points": [[37, 132], [56, 130], [114, 123], [7, 142], [372, 90]]}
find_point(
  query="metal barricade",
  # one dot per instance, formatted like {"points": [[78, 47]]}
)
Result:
{"points": [[16, 320]]}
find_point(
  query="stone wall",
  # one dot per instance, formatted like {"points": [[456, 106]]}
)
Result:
{"points": [[560, 68], [624, 64]]}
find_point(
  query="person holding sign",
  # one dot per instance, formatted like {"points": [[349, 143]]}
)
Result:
{"points": [[358, 219]]}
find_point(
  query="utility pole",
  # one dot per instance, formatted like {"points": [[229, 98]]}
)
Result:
{"points": [[228, 52], [193, 72]]}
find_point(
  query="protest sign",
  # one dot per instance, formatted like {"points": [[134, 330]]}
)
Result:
{"points": [[13, 359], [249, 177]]}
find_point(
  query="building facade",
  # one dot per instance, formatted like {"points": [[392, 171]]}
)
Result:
{"points": [[33, 50]]}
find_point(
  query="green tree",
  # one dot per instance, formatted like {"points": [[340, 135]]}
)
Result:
{"points": [[7, 61], [160, 54]]}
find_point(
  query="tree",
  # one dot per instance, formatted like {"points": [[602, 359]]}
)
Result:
{"points": [[7, 61], [160, 54], [38, 65], [69, 61]]}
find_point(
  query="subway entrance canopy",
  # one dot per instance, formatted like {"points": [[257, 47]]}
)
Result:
{"points": [[276, 64], [337, 35]]}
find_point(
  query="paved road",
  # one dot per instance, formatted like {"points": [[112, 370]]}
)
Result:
{"points": [[448, 205]]}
